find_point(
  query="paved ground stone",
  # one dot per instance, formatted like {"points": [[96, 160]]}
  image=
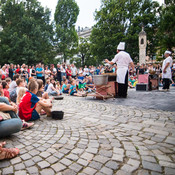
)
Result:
{"points": [[117, 136]]}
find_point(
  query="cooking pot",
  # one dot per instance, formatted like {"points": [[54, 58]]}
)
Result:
{"points": [[100, 79], [57, 115], [58, 98]]}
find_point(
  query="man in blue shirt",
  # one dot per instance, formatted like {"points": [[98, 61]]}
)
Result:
{"points": [[39, 71]]}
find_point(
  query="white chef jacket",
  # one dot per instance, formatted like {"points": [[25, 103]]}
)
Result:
{"points": [[168, 70], [123, 60]]}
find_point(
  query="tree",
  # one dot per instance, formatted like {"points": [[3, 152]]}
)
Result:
{"points": [[65, 18], [84, 50], [121, 21], [167, 25], [27, 34]]}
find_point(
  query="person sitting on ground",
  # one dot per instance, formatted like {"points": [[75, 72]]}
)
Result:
{"points": [[8, 81], [5, 89], [7, 153], [21, 92], [51, 90], [20, 83], [58, 87], [14, 93], [90, 85], [31, 106], [65, 87], [9, 121], [131, 82], [47, 84], [73, 91], [41, 92], [13, 84], [81, 82]]}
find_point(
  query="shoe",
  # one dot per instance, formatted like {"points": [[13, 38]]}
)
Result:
{"points": [[26, 125], [8, 153], [163, 90]]}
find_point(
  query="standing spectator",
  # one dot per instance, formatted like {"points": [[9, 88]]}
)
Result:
{"points": [[74, 71], [68, 71], [33, 71], [86, 71], [11, 71], [18, 70], [43, 74], [3, 73], [39, 71], [53, 71], [7, 70], [59, 73], [166, 67], [63, 70], [47, 72]]}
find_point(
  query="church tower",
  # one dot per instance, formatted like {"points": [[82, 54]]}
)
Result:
{"points": [[142, 46]]}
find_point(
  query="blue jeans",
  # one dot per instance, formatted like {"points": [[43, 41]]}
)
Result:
{"points": [[13, 125]]}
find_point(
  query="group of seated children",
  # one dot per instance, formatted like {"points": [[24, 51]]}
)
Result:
{"points": [[78, 86]]}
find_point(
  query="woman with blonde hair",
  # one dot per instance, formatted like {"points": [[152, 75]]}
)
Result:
{"points": [[21, 92]]}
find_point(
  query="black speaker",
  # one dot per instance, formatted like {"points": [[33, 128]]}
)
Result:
{"points": [[141, 87]]}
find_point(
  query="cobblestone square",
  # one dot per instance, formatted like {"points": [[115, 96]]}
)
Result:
{"points": [[96, 137]]}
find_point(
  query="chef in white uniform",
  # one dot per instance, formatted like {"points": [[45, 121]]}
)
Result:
{"points": [[123, 61], [166, 70]]}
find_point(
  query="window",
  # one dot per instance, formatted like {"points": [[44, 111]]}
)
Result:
{"points": [[142, 41]]}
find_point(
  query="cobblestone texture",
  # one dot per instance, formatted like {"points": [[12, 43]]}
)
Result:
{"points": [[96, 137]]}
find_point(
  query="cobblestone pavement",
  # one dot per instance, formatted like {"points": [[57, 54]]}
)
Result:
{"points": [[96, 138]]}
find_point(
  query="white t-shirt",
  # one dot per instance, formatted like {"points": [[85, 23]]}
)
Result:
{"points": [[49, 89], [168, 70], [74, 70], [12, 86], [122, 59]]}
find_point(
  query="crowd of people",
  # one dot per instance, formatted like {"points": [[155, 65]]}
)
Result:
{"points": [[25, 91]]}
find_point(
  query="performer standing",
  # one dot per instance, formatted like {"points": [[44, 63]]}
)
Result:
{"points": [[166, 70], [123, 61]]}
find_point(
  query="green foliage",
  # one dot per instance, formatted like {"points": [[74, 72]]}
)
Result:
{"points": [[27, 34], [119, 21], [167, 26], [65, 18]]}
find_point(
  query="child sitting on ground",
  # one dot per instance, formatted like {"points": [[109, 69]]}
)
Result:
{"points": [[81, 82], [47, 84], [73, 91], [65, 87], [5, 89], [58, 87], [51, 90], [41, 92], [30, 105], [21, 92]]}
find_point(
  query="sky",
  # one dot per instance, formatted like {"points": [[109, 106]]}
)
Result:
{"points": [[87, 9]]}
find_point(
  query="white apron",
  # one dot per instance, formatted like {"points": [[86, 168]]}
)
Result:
{"points": [[168, 70], [121, 74]]}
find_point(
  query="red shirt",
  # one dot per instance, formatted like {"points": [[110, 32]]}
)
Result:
{"points": [[27, 105], [6, 93], [68, 72]]}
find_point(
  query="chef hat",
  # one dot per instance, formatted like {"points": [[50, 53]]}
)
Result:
{"points": [[168, 52], [121, 46]]}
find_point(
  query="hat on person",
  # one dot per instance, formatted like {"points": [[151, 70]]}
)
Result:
{"points": [[167, 52], [121, 46]]}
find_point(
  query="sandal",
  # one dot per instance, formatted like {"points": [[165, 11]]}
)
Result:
{"points": [[26, 125], [8, 153]]}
